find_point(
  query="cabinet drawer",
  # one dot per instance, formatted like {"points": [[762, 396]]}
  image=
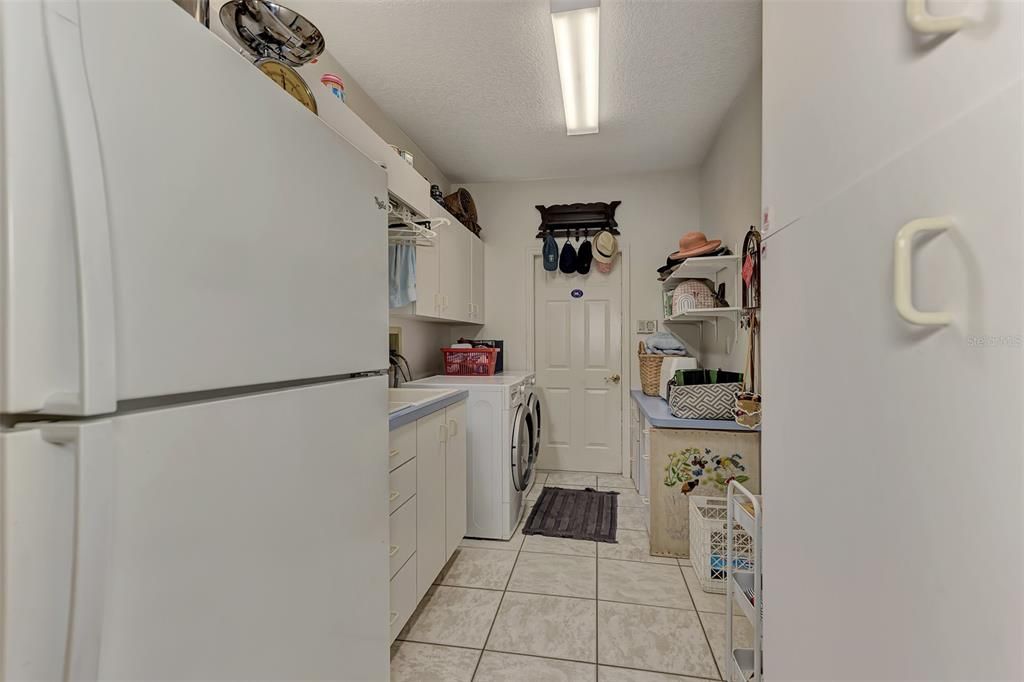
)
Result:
{"points": [[403, 596], [403, 535], [401, 445], [401, 484]]}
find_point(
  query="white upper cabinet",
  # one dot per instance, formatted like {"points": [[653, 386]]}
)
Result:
{"points": [[850, 85], [476, 285], [455, 271], [449, 274]]}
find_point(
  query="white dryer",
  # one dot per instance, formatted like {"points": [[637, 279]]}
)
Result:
{"points": [[502, 444]]}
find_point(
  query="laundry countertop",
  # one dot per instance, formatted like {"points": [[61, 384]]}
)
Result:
{"points": [[408, 416], [657, 413]]}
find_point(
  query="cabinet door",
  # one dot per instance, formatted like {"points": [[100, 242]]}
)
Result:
{"points": [[885, 440], [431, 435], [455, 271], [428, 279], [476, 285], [634, 442], [455, 478]]}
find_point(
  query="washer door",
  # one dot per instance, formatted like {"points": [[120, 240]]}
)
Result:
{"points": [[533, 405], [521, 448]]}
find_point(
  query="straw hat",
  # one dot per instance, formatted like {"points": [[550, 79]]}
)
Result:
{"points": [[605, 247], [695, 244]]}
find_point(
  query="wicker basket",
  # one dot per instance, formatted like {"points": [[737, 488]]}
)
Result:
{"points": [[650, 371]]}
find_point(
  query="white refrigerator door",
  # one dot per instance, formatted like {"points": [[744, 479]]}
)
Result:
{"points": [[172, 220], [235, 539]]}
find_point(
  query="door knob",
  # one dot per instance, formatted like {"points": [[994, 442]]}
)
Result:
{"points": [[613, 379]]}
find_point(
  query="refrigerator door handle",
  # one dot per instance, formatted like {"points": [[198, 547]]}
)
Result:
{"points": [[97, 389], [93, 444], [903, 272]]}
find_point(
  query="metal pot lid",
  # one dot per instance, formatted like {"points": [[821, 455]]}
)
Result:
{"points": [[266, 29]]}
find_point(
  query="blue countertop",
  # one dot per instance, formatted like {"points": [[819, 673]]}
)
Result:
{"points": [[409, 415], [657, 413]]}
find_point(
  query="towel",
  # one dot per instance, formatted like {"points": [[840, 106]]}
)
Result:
{"points": [[401, 275], [665, 343]]}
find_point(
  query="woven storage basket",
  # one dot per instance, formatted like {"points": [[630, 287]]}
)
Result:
{"points": [[650, 370], [693, 294], [704, 401]]}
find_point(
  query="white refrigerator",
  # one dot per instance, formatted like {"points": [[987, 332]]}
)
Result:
{"points": [[192, 479]]}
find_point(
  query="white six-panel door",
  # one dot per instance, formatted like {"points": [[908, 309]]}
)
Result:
{"points": [[578, 358]]}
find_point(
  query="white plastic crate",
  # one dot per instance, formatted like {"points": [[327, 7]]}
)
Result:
{"points": [[708, 543]]}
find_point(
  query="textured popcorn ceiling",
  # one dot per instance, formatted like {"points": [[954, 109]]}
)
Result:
{"points": [[475, 82]]}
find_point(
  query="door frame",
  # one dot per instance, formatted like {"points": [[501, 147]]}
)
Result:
{"points": [[532, 255]]}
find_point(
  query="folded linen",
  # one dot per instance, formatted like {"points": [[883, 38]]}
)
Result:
{"points": [[665, 343], [660, 351]]}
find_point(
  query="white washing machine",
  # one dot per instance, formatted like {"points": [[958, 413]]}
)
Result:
{"points": [[503, 443]]}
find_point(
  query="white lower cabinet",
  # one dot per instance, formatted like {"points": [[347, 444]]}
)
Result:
{"points": [[455, 479], [403, 597], [431, 435], [403, 535], [428, 485]]}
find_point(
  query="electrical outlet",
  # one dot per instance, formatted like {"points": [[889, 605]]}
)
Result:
{"points": [[646, 326]]}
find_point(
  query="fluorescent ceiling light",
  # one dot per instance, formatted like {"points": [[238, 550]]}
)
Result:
{"points": [[577, 44]]}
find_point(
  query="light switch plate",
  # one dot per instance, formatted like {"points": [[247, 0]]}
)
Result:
{"points": [[646, 326]]}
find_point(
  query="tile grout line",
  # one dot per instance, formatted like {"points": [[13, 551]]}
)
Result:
{"points": [[498, 610], [700, 621]]}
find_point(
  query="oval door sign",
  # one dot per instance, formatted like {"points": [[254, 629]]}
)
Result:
{"points": [[577, 293]]}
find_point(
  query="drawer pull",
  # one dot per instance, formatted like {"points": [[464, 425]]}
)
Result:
{"points": [[646, 456], [393, 496], [922, 21], [394, 617], [394, 550], [646, 500], [903, 272], [443, 434], [395, 453], [453, 428]]}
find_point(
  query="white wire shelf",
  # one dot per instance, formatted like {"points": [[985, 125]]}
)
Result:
{"points": [[743, 664], [743, 592], [702, 314], [703, 267], [742, 516]]}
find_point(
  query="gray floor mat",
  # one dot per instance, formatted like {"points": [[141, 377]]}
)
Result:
{"points": [[578, 514]]}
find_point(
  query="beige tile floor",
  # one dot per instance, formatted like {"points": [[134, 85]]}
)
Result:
{"points": [[547, 609]]}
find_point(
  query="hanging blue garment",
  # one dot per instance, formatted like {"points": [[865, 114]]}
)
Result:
{"points": [[401, 275]]}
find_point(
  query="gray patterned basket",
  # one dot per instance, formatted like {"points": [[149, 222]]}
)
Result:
{"points": [[704, 401]]}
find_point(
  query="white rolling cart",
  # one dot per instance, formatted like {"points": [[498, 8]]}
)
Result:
{"points": [[743, 587]]}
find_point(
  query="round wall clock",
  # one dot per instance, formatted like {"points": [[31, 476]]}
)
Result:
{"points": [[289, 80]]}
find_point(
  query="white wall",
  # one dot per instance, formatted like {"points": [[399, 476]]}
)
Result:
{"points": [[730, 202], [657, 208]]}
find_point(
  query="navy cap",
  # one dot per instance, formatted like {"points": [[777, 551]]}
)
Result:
{"points": [[584, 257], [567, 261]]}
